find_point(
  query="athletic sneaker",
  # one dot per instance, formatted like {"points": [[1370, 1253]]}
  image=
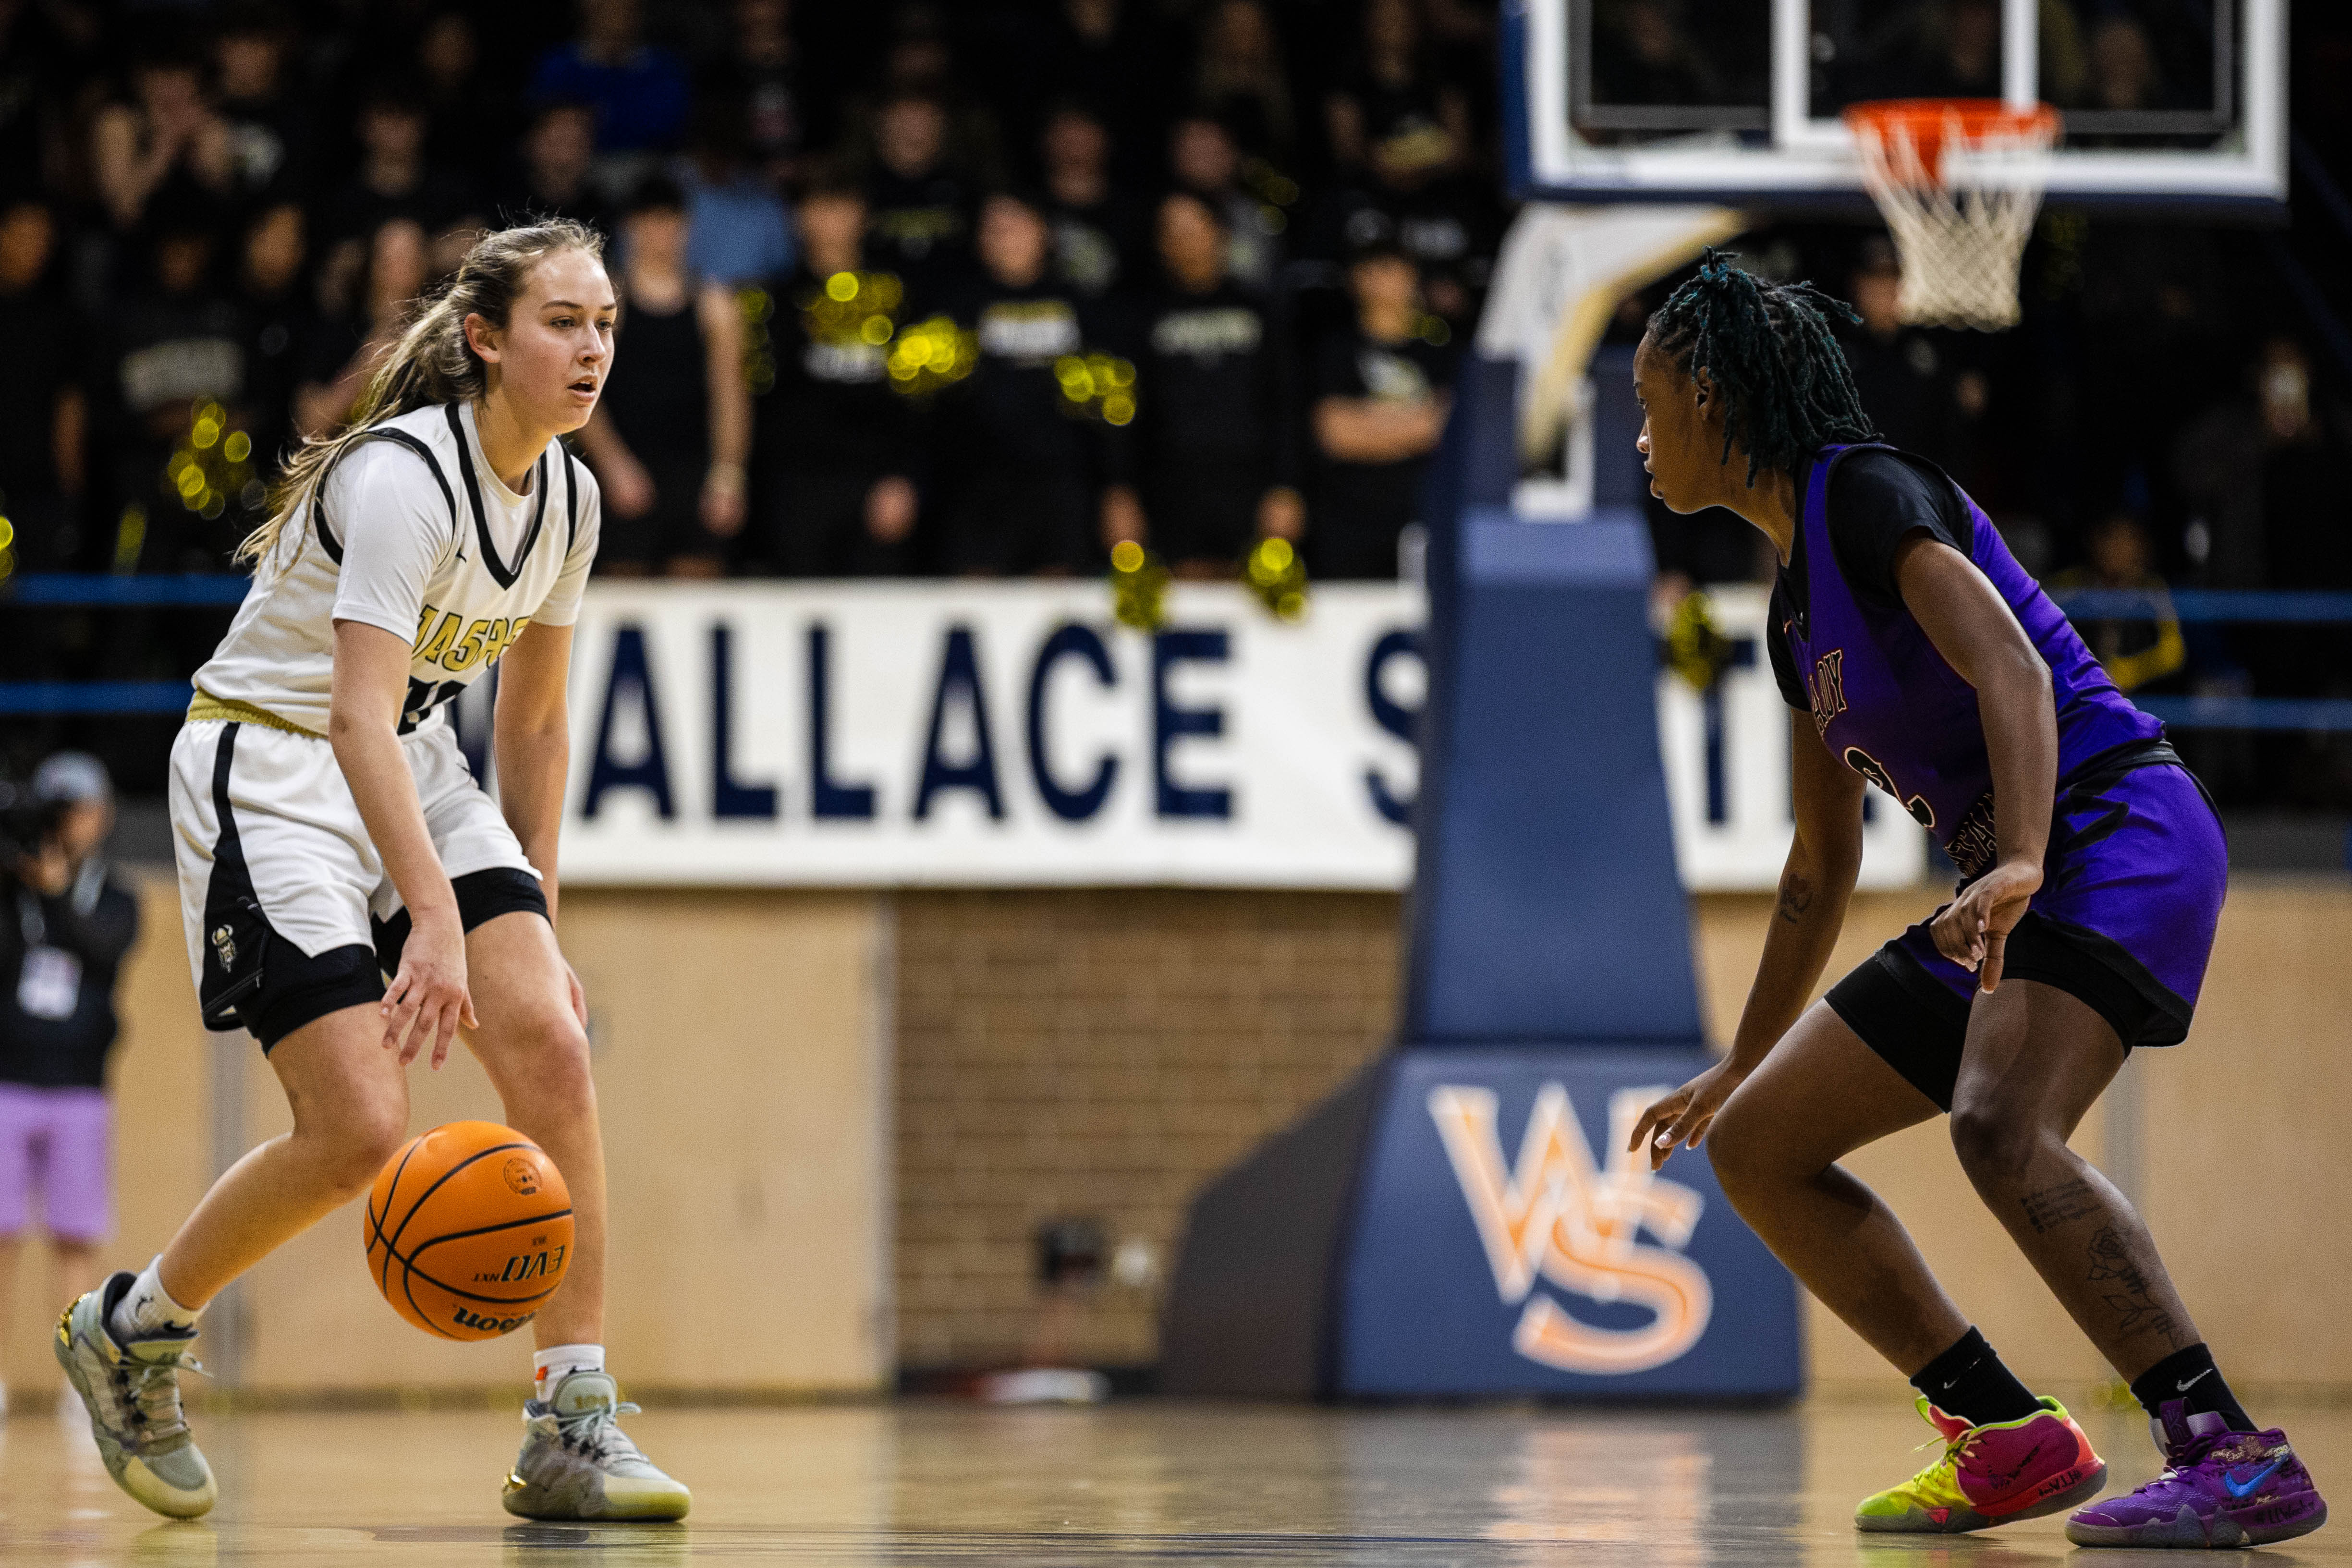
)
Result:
{"points": [[2219, 1488], [1990, 1474], [132, 1394], [577, 1463]]}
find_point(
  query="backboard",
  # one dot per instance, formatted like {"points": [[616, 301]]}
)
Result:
{"points": [[2177, 104]]}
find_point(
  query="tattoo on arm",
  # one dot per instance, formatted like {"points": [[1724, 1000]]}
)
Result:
{"points": [[1796, 897], [2061, 1204], [2124, 1289]]}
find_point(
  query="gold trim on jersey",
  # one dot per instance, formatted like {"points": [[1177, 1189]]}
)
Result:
{"points": [[204, 705]]}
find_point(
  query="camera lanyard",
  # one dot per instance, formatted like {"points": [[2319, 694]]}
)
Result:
{"points": [[83, 896]]}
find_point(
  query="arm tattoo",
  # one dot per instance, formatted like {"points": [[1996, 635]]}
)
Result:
{"points": [[1796, 897], [2061, 1204], [2124, 1289]]}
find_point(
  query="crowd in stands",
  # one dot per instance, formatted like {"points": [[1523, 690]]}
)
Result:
{"points": [[986, 287], [913, 287]]}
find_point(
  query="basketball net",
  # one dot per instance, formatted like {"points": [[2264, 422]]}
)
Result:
{"points": [[1960, 226]]}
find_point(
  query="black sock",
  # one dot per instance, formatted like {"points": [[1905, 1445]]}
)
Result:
{"points": [[2191, 1374], [1968, 1381]]}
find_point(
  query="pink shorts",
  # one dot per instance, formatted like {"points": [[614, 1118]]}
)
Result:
{"points": [[62, 1142]]}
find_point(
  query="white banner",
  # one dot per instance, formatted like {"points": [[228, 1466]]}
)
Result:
{"points": [[1011, 733], [908, 733]]}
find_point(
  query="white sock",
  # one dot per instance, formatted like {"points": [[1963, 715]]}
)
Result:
{"points": [[147, 1308], [550, 1367]]}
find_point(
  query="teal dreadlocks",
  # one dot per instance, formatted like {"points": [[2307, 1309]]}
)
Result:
{"points": [[1768, 354]]}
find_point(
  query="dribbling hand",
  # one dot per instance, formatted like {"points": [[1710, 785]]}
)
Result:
{"points": [[428, 1000], [1682, 1118], [1973, 929]]}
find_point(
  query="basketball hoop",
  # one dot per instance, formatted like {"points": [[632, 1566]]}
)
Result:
{"points": [[1961, 224]]}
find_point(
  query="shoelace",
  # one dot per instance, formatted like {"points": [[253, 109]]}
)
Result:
{"points": [[151, 1394], [596, 1434], [1955, 1448], [2178, 1466]]}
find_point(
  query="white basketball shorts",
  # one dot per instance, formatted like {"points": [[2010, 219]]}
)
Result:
{"points": [[288, 911]]}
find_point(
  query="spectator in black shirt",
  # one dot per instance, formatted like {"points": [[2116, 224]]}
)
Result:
{"points": [[1239, 78], [67, 924], [1391, 107], [1097, 229], [669, 440], [395, 182], [342, 351], [919, 210], [559, 157], [471, 114], [168, 351], [271, 145], [1207, 465], [277, 327], [166, 139], [43, 413], [1381, 401], [1117, 54], [834, 446], [765, 69], [1448, 224], [1205, 160], [1019, 463], [1915, 394]]}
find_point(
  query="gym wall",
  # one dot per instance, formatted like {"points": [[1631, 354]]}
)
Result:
{"points": [[858, 1108]]}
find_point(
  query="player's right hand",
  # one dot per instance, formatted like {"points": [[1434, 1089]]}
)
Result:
{"points": [[1682, 1118], [428, 1000]]}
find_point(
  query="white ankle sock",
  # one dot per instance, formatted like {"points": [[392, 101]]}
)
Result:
{"points": [[147, 1308], [550, 1367]]}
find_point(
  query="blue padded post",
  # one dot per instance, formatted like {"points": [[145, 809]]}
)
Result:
{"points": [[1546, 906]]}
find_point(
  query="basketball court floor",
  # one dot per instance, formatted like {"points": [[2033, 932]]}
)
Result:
{"points": [[1140, 1482]]}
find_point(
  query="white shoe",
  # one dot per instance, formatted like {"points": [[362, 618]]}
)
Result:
{"points": [[577, 1463], [132, 1393]]}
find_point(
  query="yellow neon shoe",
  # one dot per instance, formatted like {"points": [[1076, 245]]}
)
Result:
{"points": [[1990, 1474]]}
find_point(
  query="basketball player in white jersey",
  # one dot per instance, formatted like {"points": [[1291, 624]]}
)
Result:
{"points": [[328, 831]]}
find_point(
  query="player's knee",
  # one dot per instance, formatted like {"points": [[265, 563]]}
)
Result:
{"points": [[1739, 1146], [1995, 1143], [554, 1058], [359, 1142]]}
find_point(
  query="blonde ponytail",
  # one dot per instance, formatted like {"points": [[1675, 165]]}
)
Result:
{"points": [[431, 363]]}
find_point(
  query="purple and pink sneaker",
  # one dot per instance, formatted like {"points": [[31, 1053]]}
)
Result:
{"points": [[2219, 1488]]}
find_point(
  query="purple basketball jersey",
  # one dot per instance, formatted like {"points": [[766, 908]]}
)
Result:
{"points": [[1889, 707]]}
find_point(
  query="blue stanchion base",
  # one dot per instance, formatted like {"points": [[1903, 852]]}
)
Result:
{"points": [[1505, 1243]]}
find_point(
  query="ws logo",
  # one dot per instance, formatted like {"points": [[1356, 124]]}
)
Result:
{"points": [[1575, 1224]]}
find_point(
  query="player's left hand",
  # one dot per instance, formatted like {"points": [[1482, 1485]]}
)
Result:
{"points": [[1973, 929], [579, 997]]}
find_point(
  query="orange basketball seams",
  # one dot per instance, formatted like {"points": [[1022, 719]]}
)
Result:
{"points": [[468, 1230]]}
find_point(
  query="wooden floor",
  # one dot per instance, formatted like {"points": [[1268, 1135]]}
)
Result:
{"points": [[1141, 1482]]}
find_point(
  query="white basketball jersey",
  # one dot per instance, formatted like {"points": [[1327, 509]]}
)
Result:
{"points": [[412, 532]]}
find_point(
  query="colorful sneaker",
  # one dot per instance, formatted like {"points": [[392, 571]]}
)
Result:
{"points": [[1988, 1475], [132, 1394], [577, 1463], [2219, 1488]]}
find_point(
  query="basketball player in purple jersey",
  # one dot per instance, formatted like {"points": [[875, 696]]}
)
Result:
{"points": [[1920, 657]]}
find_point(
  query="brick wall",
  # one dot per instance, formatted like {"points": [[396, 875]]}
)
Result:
{"points": [[1101, 1053]]}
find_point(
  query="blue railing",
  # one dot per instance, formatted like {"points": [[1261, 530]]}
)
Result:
{"points": [[111, 698], [2309, 607], [68, 589]]}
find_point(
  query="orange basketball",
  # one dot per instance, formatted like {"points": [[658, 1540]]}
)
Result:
{"points": [[468, 1230]]}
